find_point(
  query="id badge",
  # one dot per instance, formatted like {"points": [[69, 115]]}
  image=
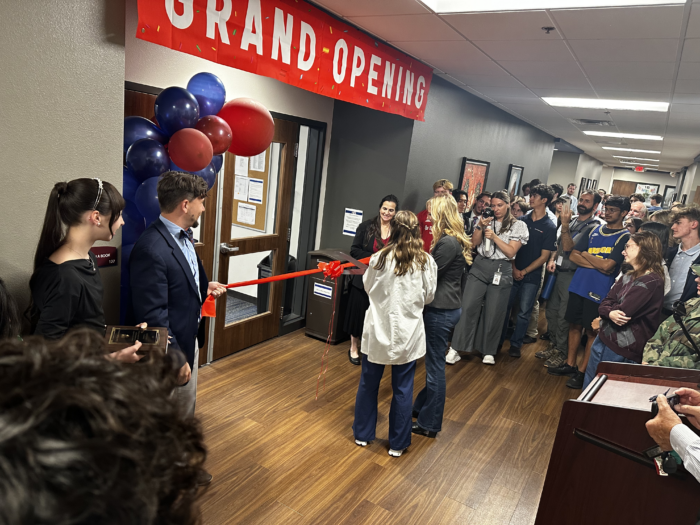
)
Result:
{"points": [[560, 260], [497, 278]]}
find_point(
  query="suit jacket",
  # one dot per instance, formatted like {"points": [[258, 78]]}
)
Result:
{"points": [[690, 289], [163, 289], [362, 246]]}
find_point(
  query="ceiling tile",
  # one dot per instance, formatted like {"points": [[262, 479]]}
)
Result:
{"points": [[689, 71], [511, 95], [624, 94], [685, 111], [625, 82], [641, 71], [694, 23], [686, 98], [544, 68], [691, 50], [442, 52], [503, 80], [565, 81], [630, 50], [372, 7], [478, 68], [688, 86], [525, 49], [586, 92], [523, 25], [627, 22], [402, 28]]}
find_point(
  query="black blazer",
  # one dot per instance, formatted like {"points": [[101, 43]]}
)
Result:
{"points": [[362, 246], [690, 289], [163, 290]]}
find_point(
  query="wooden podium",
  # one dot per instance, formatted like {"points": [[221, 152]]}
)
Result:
{"points": [[598, 473]]}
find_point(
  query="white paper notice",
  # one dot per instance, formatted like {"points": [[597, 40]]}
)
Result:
{"points": [[255, 190], [353, 218], [240, 189], [246, 213], [241, 166], [257, 163]]}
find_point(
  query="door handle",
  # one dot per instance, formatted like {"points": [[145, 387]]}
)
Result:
{"points": [[227, 249]]}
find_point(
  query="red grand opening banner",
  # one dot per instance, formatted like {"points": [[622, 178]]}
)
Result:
{"points": [[294, 42]]}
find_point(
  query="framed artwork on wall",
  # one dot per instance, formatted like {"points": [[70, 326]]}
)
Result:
{"points": [[472, 178], [515, 179], [583, 187], [684, 198], [594, 186], [647, 190], [590, 184], [669, 196]]}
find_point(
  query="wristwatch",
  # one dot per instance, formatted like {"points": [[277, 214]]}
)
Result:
{"points": [[478, 228]]}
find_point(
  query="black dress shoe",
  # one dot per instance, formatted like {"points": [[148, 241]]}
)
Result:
{"points": [[203, 478], [354, 360], [527, 340], [514, 351], [417, 429]]}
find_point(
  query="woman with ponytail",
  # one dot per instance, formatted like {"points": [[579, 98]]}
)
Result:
{"points": [[66, 287], [400, 280]]}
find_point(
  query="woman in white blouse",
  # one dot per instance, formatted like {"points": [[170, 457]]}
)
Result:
{"points": [[490, 280], [400, 280]]}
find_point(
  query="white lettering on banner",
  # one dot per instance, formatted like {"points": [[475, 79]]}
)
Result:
{"points": [[408, 88], [398, 84], [358, 65], [184, 20], [219, 18], [340, 45], [253, 17], [388, 79], [372, 75], [420, 91], [282, 36], [306, 31]]}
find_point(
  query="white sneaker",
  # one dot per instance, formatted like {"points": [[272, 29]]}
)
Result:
{"points": [[395, 453], [452, 356], [488, 360], [361, 443]]}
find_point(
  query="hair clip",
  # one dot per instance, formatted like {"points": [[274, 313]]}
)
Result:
{"points": [[99, 193]]}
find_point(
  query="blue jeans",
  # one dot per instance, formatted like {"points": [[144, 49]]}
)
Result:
{"points": [[600, 353], [528, 296], [430, 402], [400, 413]]}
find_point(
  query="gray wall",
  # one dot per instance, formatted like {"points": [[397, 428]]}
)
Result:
{"points": [[62, 93], [458, 124], [368, 158], [563, 169]]}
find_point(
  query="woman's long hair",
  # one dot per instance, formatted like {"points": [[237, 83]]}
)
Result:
{"points": [[448, 221], [375, 229], [67, 204], [405, 245], [9, 314], [662, 231], [508, 219], [650, 256]]}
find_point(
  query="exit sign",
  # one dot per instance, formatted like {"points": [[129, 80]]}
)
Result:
{"points": [[639, 168]]}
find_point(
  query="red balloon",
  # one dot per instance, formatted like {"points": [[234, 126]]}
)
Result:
{"points": [[218, 132], [190, 149], [251, 125]]}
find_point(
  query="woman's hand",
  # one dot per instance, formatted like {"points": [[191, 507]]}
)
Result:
{"points": [[485, 222], [596, 324], [127, 355], [619, 318], [489, 233], [552, 266]]}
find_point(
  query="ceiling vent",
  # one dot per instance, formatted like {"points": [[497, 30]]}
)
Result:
{"points": [[591, 122]]}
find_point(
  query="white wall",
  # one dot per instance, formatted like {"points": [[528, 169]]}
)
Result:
{"points": [[606, 177], [691, 183], [588, 167], [62, 95]]}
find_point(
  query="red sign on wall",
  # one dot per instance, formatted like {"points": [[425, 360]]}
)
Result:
{"points": [[295, 43], [106, 255]]}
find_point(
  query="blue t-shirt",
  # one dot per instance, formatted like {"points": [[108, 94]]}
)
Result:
{"points": [[543, 236]]}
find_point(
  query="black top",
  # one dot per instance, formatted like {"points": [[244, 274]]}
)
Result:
{"points": [[66, 296], [363, 246], [543, 236], [451, 273]]}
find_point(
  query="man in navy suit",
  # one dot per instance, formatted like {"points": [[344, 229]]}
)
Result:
{"points": [[168, 282]]}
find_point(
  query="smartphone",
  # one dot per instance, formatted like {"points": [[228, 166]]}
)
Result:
{"points": [[566, 207]]}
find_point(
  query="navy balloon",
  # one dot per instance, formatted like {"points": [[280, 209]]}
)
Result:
{"points": [[208, 173], [134, 223], [129, 185], [137, 128], [176, 109], [147, 158], [209, 92], [217, 161], [147, 200]]}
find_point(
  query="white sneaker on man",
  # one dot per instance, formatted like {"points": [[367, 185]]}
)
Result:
{"points": [[488, 360], [452, 356]]}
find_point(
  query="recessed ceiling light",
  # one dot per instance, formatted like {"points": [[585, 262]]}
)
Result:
{"points": [[638, 164], [479, 6], [596, 103], [632, 150], [634, 158], [623, 135]]}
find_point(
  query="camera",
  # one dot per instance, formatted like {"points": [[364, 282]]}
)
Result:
{"points": [[487, 213], [673, 400]]}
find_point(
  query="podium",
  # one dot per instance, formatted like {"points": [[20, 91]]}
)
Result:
{"points": [[598, 472]]}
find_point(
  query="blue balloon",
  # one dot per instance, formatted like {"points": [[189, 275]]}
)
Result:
{"points": [[208, 173], [129, 185], [217, 161], [176, 109], [137, 128], [147, 158], [126, 253], [147, 200], [209, 92], [134, 223]]}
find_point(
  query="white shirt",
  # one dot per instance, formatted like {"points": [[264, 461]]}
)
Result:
{"points": [[517, 232], [687, 445], [394, 333], [574, 201]]}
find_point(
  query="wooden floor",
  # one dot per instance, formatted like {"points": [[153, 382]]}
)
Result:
{"points": [[279, 456]]}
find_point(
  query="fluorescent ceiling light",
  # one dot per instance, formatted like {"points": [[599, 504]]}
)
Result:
{"points": [[633, 150], [638, 164], [634, 158], [480, 6], [596, 103], [622, 135]]}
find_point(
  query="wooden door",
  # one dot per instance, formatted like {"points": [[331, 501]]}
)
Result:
{"points": [[623, 187], [234, 334]]}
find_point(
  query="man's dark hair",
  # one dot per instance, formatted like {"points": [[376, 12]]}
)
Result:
{"points": [[638, 196], [457, 194], [544, 191], [534, 182], [658, 198], [176, 186], [596, 196], [483, 194], [571, 184], [692, 213], [526, 185], [558, 189], [618, 201], [90, 440]]}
